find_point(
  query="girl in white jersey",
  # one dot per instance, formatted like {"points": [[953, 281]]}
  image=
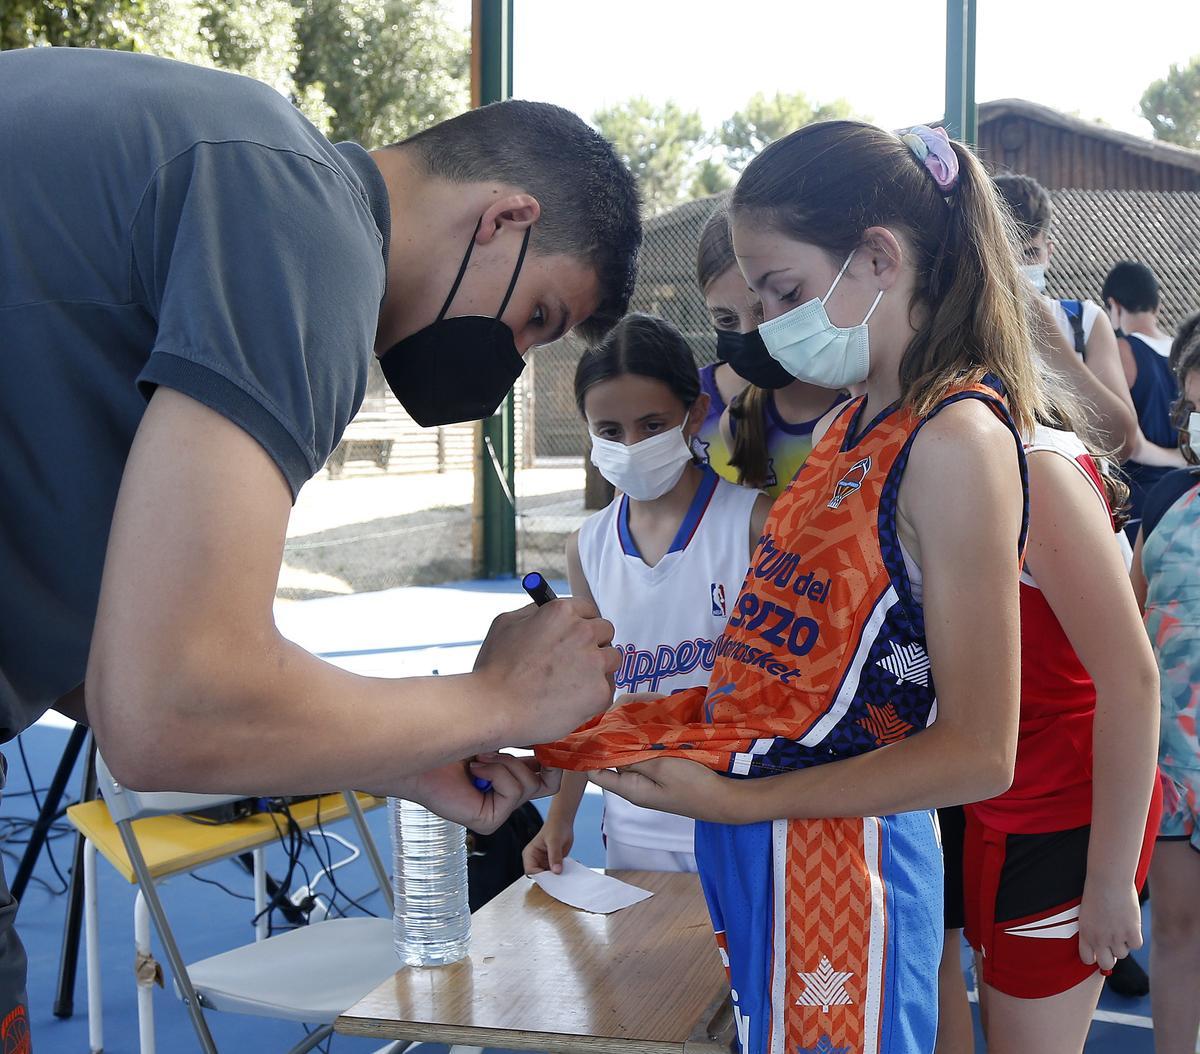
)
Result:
{"points": [[662, 562]]}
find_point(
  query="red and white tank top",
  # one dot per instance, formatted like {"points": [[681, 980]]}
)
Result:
{"points": [[1052, 786]]}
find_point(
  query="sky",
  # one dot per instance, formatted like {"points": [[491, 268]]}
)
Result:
{"points": [[887, 57]]}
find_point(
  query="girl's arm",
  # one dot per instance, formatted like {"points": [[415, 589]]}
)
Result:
{"points": [[1146, 453], [1078, 567], [1100, 382], [547, 849], [962, 495], [1137, 573]]}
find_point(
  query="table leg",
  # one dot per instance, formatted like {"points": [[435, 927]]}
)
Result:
{"points": [[91, 936], [260, 895], [145, 982]]}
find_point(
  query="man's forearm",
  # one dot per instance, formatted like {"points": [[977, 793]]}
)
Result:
{"points": [[278, 720]]}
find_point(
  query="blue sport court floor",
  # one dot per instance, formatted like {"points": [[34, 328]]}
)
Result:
{"points": [[397, 632]]}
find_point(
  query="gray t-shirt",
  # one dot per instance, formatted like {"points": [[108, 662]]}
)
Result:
{"points": [[160, 224]]}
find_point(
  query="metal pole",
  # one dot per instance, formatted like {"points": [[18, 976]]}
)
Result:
{"points": [[971, 118], [68, 959], [49, 811], [960, 70], [491, 70]]}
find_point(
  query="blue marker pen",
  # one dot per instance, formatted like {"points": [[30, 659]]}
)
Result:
{"points": [[538, 588]]}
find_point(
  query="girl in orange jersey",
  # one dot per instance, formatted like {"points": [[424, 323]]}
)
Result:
{"points": [[884, 262]]}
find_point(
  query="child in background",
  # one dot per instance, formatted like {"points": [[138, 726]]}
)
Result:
{"points": [[1052, 867], [662, 562], [1080, 344], [881, 261], [1127, 422], [1131, 296], [1166, 578], [765, 433], [733, 310]]}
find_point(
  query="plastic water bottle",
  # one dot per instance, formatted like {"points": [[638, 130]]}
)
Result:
{"points": [[432, 920]]}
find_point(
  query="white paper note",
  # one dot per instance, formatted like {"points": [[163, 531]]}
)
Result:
{"points": [[581, 887]]}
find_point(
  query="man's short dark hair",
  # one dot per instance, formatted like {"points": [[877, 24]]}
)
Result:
{"points": [[1028, 201], [589, 200], [1133, 286]]}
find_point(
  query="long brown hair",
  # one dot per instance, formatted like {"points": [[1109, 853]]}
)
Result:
{"points": [[714, 256], [1063, 409], [828, 182]]}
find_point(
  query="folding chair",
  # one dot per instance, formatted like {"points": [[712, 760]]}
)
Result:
{"points": [[308, 975]]}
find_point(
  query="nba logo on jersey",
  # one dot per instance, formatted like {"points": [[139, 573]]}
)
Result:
{"points": [[850, 482], [717, 592]]}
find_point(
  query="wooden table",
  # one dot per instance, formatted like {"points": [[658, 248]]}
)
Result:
{"points": [[548, 977]]}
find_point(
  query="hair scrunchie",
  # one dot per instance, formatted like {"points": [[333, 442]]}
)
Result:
{"points": [[931, 147]]}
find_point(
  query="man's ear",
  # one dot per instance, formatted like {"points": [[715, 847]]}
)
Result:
{"points": [[509, 210]]}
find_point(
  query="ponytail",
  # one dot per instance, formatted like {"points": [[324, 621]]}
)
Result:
{"points": [[1063, 409], [749, 455], [981, 312]]}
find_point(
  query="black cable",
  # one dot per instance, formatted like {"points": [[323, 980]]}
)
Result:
{"points": [[292, 849], [224, 888], [38, 805], [16, 859], [13, 829], [337, 890]]}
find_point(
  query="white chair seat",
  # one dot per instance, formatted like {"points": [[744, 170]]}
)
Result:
{"points": [[311, 974]]}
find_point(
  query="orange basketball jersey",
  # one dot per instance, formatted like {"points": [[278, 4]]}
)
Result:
{"points": [[824, 654]]}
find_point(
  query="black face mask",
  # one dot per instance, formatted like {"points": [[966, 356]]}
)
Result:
{"points": [[456, 369], [751, 361]]}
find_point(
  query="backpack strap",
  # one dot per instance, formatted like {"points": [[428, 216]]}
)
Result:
{"points": [[1074, 313]]}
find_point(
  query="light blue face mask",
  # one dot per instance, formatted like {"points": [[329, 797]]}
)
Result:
{"points": [[813, 349], [1036, 273]]}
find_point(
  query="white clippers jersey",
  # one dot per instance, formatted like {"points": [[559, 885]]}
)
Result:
{"points": [[667, 618]]}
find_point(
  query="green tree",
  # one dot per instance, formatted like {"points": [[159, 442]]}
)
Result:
{"points": [[659, 143], [711, 177], [766, 118], [252, 38], [1172, 105], [384, 68], [256, 39], [66, 23], [371, 70]]}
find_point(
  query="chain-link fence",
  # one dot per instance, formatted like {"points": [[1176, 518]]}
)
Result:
{"points": [[396, 505]]}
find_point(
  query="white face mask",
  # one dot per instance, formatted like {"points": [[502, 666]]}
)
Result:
{"points": [[813, 349], [645, 470], [1193, 430], [1036, 273]]}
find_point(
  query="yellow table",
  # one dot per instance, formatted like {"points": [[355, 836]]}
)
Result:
{"points": [[545, 976], [173, 845]]}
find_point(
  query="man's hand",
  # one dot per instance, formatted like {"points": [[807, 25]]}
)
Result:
{"points": [[686, 788], [549, 668], [449, 791]]}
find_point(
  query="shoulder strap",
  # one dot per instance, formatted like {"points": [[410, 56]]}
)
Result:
{"points": [[1074, 312]]}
